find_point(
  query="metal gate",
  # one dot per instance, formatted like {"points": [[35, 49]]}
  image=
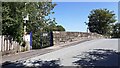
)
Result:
{"points": [[46, 39]]}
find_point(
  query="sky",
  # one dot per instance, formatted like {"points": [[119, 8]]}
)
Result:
{"points": [[85, 0], [72, 15]]}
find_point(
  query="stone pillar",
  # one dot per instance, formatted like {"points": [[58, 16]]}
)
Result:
{"points": [[27, 41], [28, 45]]}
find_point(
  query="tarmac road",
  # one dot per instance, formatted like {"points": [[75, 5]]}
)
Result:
{"points": [[103, 51], [38, 52]]}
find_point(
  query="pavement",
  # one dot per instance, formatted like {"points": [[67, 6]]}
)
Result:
{"points": [[38, 52]]}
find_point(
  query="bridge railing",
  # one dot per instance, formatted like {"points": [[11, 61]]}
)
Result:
{"points": [[60, 37]]}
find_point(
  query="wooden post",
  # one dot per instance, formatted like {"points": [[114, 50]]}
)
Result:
{"points": [[12, 45], [5, 46], [8, 44], [0, 43], [0, 59]]}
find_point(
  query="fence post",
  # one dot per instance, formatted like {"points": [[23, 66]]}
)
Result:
{"points": [[5, 45], [0, 43], [11, 47], [8, 44]]}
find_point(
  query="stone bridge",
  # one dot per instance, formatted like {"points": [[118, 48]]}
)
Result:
{"points": [[60, 37]]}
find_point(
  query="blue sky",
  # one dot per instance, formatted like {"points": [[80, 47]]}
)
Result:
{"points": [[85, 0], [72, 15]]}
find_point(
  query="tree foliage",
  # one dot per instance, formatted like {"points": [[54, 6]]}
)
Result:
{"points": [[38, 13], [116, 30], [12, 20], [101, 21], [38, 22], [60, 28], [52, 26]]}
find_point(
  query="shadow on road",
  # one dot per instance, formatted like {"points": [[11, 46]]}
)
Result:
{"points": [[98, 58], [31, 64]]}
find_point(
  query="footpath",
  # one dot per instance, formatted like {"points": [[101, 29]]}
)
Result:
{"points": [[38, 52]]}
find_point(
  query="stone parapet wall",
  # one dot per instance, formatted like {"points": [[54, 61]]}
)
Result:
{"points": [[60, 37]]}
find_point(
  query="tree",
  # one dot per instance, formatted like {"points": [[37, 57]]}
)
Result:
{"points": [[116, 30], [12, 20], [13, 13], [38, 12], [52, 26], [60, 28], [101, 21], [38, 22]]}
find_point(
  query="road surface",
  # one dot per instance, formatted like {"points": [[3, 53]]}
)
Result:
{"points": [[37, 52], [99, 52], [105, 48]]}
